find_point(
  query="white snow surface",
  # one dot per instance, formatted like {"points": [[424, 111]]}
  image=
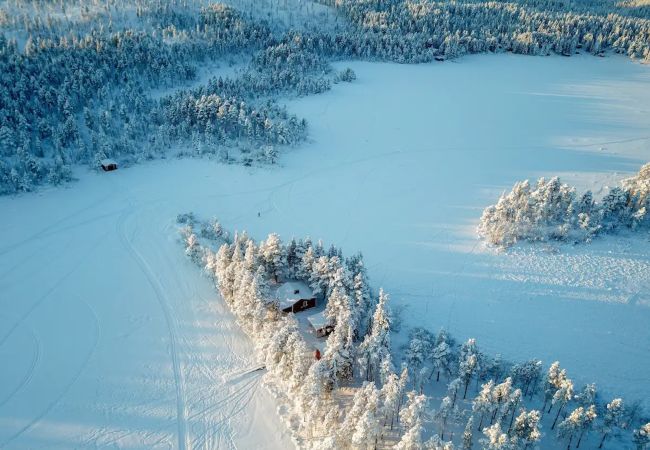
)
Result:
{"points": [[110, 338]]}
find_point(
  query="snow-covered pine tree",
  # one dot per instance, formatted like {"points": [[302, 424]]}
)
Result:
{"points": [[366, 397], [452, 390], [526, 428], [368, 427], [552, 382], [271, 252], [468, 434], [577, 423], [562, 397], [447, 415], [391, 394], [468, 363], [613, 420], [413, 411], [442, 355], [375, 347], [496, 439], [527, 375], [412, 438], [482, 404], [587, 396]]}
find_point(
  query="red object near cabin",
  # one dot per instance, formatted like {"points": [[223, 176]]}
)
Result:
{"points": [[317, 354]]}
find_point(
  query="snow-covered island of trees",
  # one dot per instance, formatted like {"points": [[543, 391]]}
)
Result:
{"points": [[550, 210], [354, 394]]}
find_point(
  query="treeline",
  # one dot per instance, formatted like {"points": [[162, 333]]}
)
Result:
{"points": [[551, 210], [73, 97], [486, 397], [417, 31], [69, 98]]}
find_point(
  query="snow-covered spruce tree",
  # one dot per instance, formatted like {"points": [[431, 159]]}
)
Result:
{"points": [[501, 397], [442, 356], [447, 415], [526, 375], [304, 270], [391, 394], [579, 422], [412, 438], [587, 396], [413, 410], [482, 404], [419, 350], [526, 428], [496, 439], [453, 388], [321, 275], [563, 395], [613, 421], [339, 306], [340, 350], [271, 252], [468, 363], [554, 379], [514, 400], [315, 399], [364, 302], [639, 188], [375, 347], [358, 428], [192, 248], [468, 434]]}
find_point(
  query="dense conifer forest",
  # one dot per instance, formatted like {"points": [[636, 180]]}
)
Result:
{"points": [[77, 78]]}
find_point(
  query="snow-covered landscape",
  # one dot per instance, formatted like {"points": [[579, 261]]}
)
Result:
{"points": [[110, 337]]}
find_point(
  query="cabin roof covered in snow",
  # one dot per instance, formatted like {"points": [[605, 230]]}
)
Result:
{"points": [[108, 162], [318, 320], [290, 292]]}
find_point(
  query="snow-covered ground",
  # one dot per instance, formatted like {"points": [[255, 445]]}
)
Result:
{"points": [[109, 338]]}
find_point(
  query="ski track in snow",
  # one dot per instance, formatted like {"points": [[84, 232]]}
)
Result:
{"points": [[35, 420], [159, 290], [36, 355]]}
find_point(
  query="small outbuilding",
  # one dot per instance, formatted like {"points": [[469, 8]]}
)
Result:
{"points": [[108, 165], [320, 324], [295, 296]]}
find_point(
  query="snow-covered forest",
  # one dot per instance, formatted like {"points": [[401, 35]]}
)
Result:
{"points": [[76, 86], [551, 210], [77, 77], [443, 395]]}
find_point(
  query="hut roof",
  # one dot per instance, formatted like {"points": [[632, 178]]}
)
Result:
{"points": [[318, 320], [290, 292]]}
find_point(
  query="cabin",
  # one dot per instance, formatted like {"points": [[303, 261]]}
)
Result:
{"points": [[108, 165], [320, 324], [295, 296]]}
